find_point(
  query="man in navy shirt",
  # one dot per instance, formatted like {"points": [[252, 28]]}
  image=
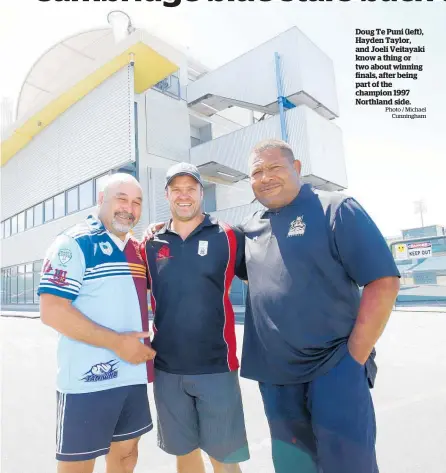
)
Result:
{"points": [[309, 335], [192, 261]]}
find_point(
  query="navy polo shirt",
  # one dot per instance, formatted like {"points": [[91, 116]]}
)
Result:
{"points": [[305, 262], [194, 322]]}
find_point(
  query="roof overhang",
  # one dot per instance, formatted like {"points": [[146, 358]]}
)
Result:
{"points": [[150, 67]]}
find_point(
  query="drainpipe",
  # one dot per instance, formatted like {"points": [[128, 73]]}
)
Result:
{"points": [[280, 98]]}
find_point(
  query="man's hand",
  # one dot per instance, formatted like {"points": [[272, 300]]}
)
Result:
{"points": [[129, 347], [152, 229], [377, 302]]}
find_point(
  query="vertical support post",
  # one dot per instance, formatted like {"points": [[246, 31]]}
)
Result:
{"points": [[280, 97]]}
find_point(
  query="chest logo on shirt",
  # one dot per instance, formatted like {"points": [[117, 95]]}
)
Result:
{"points": [[106, 248], [163, 253], [297, 227], [203, 248]]}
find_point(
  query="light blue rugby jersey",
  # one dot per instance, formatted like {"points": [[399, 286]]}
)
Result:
{"points": [[86, 266]]}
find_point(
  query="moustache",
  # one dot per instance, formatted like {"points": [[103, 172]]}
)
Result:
{"points": [[127, 215]]}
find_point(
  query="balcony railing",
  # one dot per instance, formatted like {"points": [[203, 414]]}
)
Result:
{"points": [[169, 86]]}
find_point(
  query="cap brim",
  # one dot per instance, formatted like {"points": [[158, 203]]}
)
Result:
{"points": [[185, 173]]}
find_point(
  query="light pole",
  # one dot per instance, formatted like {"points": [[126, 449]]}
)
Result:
{"points": [[420, 208]]}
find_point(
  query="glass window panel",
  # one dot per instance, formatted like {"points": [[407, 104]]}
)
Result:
{"points": [[99, 184], [21, 222], [36, 279], [29, 289], [3, 287], [14, 225], [7, 228], [21, 288], [59, 205], [13, 299], [49, 210], [38, 214], [38, 265], [194, 141], [29, 268], [72, 200], [2, 230], [236, 292], [30, 218], [86, 195]]}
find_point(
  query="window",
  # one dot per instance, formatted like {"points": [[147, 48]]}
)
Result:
{"points": [[21, 284], [237, 293], [38, 215], [21, 222], [2, 230], [29, 289], [99, 184], [29, 292], [194, 141], [13, 288], [49, 210], [59, 205], [209, 198], [37, 267], [3, 286], [86, 195], [7, 228], [72, 200], [14, 225], [30, 218]]}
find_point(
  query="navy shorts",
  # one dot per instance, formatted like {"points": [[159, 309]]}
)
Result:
{"points": [[201, 411], [326, 425], [87, 423]]}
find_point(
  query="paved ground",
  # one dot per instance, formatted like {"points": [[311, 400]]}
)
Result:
{"points": [[410, 399]]}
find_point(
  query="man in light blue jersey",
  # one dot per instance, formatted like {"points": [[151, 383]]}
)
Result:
{"points": [[93, 292]]}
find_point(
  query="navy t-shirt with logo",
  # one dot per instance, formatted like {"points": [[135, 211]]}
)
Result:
{"points": [[305, 264], [190, 280]]}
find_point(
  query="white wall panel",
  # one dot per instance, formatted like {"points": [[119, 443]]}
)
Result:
{"points": [[167, 126], [93, 136], [236, 215], [233, 149], [325, 149], [316, 142], [233, 195], [251, 78]]}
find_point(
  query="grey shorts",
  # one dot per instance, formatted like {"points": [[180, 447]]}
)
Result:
{"points": [[201, 411]]}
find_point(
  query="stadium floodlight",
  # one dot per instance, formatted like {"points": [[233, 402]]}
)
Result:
{"points": [[121, 24]]}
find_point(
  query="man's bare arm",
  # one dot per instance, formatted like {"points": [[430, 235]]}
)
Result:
{"points": [[378, 299], [59, 314]]}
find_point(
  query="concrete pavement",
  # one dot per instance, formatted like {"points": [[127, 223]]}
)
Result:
{"points": [[410, 400]]}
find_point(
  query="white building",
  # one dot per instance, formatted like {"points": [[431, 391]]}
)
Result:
{"points": [[92, 105]]}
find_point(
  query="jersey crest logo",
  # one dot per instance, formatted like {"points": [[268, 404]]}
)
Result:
{"points": [[297, 227], [64, 255], [106, 248], [203, 248], [163, 253]]}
